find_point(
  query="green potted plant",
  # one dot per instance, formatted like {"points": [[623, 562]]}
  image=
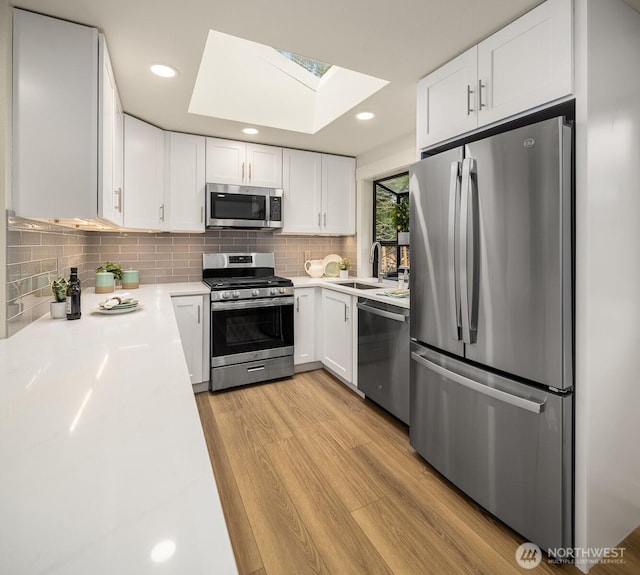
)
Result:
{"points": [[343, 265], [401, 220], [58, 307]]}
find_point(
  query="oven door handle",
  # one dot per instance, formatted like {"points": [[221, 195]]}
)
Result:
{"points": [[252, 303]]}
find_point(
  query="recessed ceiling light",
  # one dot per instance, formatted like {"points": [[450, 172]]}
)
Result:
{"points": [[163, 70], [251, 131], [365, 115]]}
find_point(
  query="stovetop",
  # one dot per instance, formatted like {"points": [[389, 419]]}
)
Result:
{"points": [[235, 282]]}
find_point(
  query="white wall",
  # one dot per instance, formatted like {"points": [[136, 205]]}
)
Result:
{"points": [[5, 148], [607, 273], [387, 160]]}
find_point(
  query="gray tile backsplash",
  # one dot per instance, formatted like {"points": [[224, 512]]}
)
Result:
{"points": [[37, 251]]}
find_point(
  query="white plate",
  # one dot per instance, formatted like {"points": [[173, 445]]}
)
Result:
{"points": [[116, 311], [331, 265]]}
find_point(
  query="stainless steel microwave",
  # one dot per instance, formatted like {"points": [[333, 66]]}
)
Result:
{"points": [[231, 206]]}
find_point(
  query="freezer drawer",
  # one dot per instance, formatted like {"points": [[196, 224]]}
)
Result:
{"points": [[506, 445], [383, 355]]}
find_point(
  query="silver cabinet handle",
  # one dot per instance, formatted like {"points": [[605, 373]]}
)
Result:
{"points": [[469, 92], [298, 304], [243, 171], [162, 213], [198, 314], [467, 253], [325, 219], [480, 104], [257, 368], [382, 312], [249, 172], [515, 400], [454, 280], [118, 196], [319, 219], [346, 315], [201, 214]]}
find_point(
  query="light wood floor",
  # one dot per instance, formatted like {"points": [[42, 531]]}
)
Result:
{"points": [[314, 479]]}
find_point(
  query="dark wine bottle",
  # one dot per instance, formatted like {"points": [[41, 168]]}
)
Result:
{"points": [[73, 296]]}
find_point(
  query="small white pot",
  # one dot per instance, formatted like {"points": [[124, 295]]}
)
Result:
{"points": [[344, 274], [58, 309]]}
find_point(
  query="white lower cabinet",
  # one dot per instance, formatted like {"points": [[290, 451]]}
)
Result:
{"points": [[192, 316], [338, 333], [305, 326]]}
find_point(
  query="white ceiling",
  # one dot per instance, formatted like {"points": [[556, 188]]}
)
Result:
{"points": [[398, 41]]}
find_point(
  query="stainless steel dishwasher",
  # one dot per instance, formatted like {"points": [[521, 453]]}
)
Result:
{"points": [[383, 355]]}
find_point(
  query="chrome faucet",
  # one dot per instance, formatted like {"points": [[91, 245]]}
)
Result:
{"points": [[371, 258]]}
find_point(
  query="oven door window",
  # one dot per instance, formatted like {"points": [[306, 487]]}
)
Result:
{"points": [[238, 207], [254, 329]]}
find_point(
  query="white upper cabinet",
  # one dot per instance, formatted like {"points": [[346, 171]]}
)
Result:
{"points": [[55, 118], [319, 193], [526, 64], [110, 143], [184, 182], [243, 164], [338, 195], [143, 176], [446, 100]]}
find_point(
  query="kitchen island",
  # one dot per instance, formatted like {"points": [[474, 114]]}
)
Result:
{"points": [[104, 467]]}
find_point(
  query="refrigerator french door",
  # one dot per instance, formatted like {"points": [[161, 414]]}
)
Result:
{"points": [[492, 324]]}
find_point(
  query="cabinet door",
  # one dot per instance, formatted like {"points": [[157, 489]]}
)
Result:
{"points": [[55, 118], [305, 326], [110, 142], [226, 161], [185, 158], [143, 175], [302, 186], [527, 63], [264, 166], [338, 195], [189, 311], [446, 104], [337, 333]]}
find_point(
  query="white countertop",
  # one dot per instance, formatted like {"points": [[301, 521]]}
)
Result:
{"points": [[102, 455], [377, 295]]}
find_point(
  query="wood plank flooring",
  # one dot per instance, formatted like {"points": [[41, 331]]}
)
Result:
{"points": [[314, 479]]}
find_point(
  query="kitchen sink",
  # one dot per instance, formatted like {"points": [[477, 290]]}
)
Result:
{"points": [[358, 285]]}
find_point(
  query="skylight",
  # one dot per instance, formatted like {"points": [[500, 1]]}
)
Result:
{"points": [[316, 67], [255, 84]]}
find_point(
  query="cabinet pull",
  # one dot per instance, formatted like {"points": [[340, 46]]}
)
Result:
{"points": [[118, 196], [162, 213], [298, 304], [198, 314], [480, 104], [346, 315], [249, 172], [201, 214], [243, 171], [318, 219], [469, 92], [325, 219]]}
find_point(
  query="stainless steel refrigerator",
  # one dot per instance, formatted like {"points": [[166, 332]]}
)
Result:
{"points": [[492, 324]]}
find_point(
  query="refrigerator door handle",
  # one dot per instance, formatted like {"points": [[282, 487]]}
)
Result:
{"points": [[454, 280], [515, 400], [468, 260]]}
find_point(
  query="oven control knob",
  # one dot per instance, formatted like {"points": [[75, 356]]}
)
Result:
{"points": [[224, 295], [273, 291], [255, 292], [281, 290], [236, 293]]}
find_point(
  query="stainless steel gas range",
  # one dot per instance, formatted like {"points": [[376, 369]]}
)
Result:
{"points": [[251, 319]]}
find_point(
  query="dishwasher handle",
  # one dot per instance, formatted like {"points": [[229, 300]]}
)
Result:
{"points": [[382, 313], [515, 400]]}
